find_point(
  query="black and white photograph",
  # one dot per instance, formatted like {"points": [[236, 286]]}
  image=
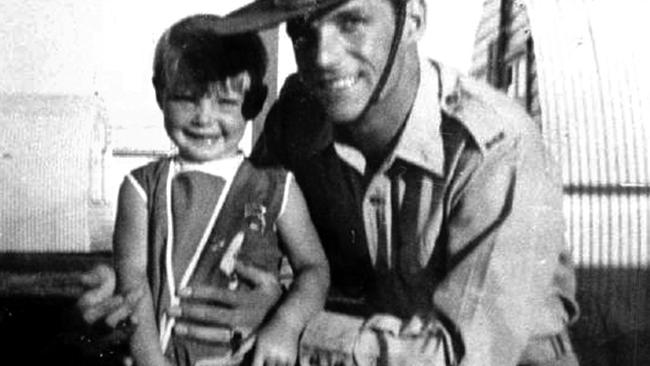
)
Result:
{"points": [[325, 182]]}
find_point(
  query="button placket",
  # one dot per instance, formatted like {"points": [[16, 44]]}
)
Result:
{"points": [[378, 221]]}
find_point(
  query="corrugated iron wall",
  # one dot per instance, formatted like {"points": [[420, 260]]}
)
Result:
{"points": [[595, 100], [486, 35], [593, 83]]}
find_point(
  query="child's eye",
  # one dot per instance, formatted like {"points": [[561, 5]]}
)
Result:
{"points": [[182, 97], [229, 102]]}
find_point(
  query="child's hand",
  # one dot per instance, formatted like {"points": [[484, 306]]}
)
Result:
{"points": [[277, 344]]}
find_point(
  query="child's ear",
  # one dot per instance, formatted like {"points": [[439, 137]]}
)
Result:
{"points": [[254, 101], [159, 93]]}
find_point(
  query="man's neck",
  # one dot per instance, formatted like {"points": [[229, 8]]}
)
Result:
{"points": [[376, 133]]}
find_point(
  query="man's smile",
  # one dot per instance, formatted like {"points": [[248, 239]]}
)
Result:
{"points": [[338, 84]]}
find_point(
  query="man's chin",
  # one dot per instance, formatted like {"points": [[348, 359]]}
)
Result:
{"points": [[343, 116]]}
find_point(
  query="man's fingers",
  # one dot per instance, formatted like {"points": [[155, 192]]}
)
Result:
{"points": [[208, 314], [125, 309], [221, 317], [99, 310], [255, 276], [413, 327], [132, 300], [119, 314], [101, 274], [101, 282], [203, 333], [207, 293], [98, 300]]}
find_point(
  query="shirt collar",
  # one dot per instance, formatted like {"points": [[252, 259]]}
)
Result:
{"points": [[421, 141], [224, 168]]}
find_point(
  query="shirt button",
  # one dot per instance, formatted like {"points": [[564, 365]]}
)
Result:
{"points": [[216, 247], [353, 236], [451, 99], [376, 200]]}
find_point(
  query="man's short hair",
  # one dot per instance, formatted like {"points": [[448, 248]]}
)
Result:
{"points": [[190, 46]]}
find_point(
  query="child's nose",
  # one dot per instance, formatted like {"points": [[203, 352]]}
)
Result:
{"points": [[207, 112]]}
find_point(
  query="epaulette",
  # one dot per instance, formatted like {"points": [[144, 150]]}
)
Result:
{"points": [[490, 117]]}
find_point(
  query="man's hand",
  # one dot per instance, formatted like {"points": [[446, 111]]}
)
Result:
{"points": [[243, 311], [385, 339], [99, 301]]}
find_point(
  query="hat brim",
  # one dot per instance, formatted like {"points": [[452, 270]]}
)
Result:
{"points": [[264, 14]]}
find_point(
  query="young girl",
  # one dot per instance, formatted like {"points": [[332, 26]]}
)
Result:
{"points": [[186, 220]]}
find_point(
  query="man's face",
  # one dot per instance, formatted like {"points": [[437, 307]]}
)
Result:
{"points": [[341, 55]]}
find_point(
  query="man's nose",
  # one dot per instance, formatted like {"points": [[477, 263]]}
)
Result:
{"points": [[328, 48]]}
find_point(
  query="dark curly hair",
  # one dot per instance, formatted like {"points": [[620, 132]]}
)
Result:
{"points": [[193, 47]]}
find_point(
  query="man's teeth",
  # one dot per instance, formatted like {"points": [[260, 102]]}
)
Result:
{"points": [[343, 82]]}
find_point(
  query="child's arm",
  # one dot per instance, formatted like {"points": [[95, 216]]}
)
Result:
{"points": [[130, 255], [277, 341]]}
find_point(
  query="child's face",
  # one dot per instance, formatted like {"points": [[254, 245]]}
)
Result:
{"points": [[205, 123]]}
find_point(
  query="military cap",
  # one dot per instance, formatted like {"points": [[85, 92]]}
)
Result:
{"points": [[264, 14]]}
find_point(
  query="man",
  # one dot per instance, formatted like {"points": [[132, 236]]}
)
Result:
{"points": [[434, 198]]}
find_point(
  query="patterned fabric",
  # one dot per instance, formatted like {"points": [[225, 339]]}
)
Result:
{"points": [[252, 205]]}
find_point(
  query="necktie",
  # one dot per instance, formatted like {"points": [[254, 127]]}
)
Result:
{"points": [[194, 197]]}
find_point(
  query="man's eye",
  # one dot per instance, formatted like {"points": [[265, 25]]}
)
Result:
{"points": [[350, 23]]}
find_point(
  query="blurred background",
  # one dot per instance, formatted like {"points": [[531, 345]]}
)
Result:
{"points": [[78, 112]]}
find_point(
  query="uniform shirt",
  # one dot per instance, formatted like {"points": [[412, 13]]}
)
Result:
{"points": [[462, 222]]}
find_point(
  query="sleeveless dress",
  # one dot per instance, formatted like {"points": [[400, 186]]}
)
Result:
{"points": [[242, 215]]}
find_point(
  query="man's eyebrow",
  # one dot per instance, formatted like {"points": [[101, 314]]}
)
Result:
{"points": [[345, 10]]}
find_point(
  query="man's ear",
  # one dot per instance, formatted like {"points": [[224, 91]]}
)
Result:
{"points": [[416, 20], [254, 101]]}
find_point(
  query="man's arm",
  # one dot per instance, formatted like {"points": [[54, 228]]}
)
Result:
{"points": [[510, 279]]}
